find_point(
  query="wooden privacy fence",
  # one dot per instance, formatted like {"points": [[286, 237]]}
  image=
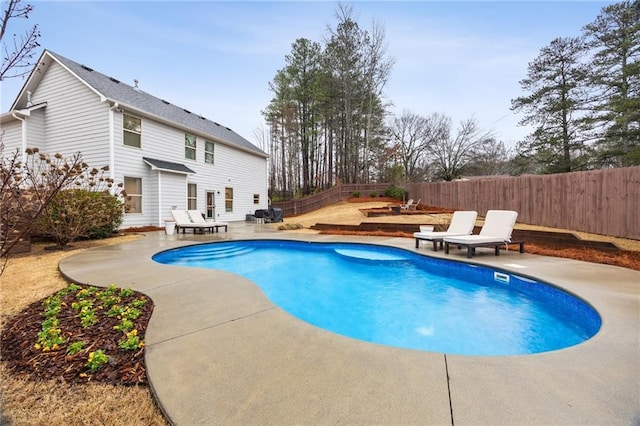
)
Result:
{"points": [[603, 202], [330, 196]]}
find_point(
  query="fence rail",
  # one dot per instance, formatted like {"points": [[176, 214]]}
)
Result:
{"points": [[605, 202], [330, 196]]}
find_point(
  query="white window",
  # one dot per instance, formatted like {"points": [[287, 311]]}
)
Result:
{"points": [[208, 152], [131, 131], [228, 199], [189, 146], [133, 188], [192, 196]]}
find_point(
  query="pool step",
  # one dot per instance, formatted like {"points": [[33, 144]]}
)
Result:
{"points": [[220, 252]]}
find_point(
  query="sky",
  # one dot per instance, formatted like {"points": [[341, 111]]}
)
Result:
{"points": [[463, 59]]}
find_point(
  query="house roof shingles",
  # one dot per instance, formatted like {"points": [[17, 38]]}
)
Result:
{"points": [[120, 92], [167, 165]]}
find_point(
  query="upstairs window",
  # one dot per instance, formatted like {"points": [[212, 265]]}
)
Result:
{"points": [[208, 152], [256, 198], [131, 131], [189, 146]]}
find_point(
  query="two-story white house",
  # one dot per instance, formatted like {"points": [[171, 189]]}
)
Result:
{"points": [[166, 156]]}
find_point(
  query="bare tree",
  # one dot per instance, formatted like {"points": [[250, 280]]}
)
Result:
{"points": [[410, 135], [26, 188], [18, 53], [452, 155]]}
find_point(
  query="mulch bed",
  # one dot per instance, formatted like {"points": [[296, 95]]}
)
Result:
{"points": [[125, 367]]}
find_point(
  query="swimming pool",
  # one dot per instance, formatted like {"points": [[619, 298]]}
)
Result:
{"points": [[399, 298]]}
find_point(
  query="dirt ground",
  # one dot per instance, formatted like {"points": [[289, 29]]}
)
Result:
{"points": [[349, 213]]}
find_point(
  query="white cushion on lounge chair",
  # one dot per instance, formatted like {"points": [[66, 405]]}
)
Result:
{"points": [[181, 217], [462, 223], [196, 216], [198, 219], [184, 221], [497, 228]]}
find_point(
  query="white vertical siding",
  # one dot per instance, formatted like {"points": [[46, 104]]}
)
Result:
{"points": [[35, 128], [173, 193], [244, 172], [75, 120], [11, 132]]}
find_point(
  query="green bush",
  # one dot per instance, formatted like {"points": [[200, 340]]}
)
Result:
{"points": [[355, 194], [108, 218], [394, 192], [80, 213], [373, 194]]}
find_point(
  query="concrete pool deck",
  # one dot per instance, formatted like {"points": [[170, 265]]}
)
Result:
{"points": [[219, 352]]}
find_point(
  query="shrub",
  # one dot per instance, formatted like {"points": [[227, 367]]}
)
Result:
{"points": [[78, 213], [356, 194], [290, 227], [394, 192], [108, 218], [373, 194]]}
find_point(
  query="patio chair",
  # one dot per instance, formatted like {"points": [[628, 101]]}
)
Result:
{"points": [[496, 231], [406, 206], [462, 223], [414, 206], [197, 218], [184, 222]]}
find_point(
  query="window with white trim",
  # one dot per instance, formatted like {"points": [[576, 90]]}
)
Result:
{"points": [[228, 199], [189, 146], [256, 198], [192, 196], [208, 152], [131, 131], [133, 200]]}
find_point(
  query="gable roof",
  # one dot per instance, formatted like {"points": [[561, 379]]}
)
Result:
{"points": [[136, 100]]}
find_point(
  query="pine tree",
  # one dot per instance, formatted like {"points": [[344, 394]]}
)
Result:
{"points": [[615, 74], [556, 83]]}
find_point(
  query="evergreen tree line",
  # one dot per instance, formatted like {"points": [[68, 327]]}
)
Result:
{"points": [[328, 121]]}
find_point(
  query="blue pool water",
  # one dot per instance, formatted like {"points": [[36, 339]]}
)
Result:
{"points": [[399, 298]]}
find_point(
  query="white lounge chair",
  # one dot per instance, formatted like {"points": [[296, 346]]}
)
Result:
{"points": [[184, 222], [462, 223], [407, 206], [496, 231], [197, 218]]}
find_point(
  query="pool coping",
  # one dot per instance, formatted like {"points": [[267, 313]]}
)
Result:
{"points": [[219, 352]]}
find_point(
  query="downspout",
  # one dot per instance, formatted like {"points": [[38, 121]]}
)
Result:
{"points": [[159, 198], [23, 141], [112, 141]]}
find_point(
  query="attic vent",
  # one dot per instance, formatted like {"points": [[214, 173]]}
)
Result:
{"points": [[201, 117], [86, 68], [215, 123], [187, 111], [165, 102], [114, 80], [228, 129]]}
